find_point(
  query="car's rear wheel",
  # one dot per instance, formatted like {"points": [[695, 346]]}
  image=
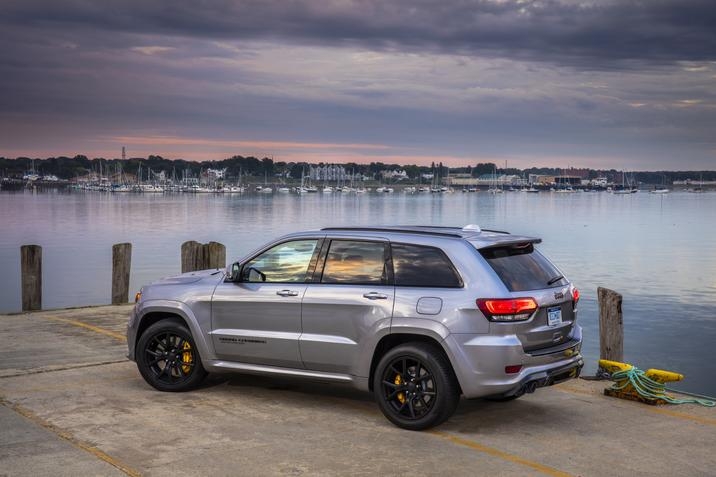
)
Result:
{"points": [[415, 386], [167, 357]]}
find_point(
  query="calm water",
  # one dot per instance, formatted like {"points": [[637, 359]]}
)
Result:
{"points": [[658, 251]]}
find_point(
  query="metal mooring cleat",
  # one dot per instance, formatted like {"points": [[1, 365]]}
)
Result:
{"points": [[637, 385]]}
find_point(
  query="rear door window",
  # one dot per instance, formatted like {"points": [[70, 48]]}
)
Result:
{"points": [[353, 262], [420, 266], [521, 267]]}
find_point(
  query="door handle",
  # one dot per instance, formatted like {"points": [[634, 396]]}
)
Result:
{"points": [[287, 293], [375, 296]]}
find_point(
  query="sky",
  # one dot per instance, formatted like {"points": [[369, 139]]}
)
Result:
{"points": [[561, 83]]}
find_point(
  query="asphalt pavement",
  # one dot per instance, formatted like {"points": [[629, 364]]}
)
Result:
{"points": [[73, 405]]}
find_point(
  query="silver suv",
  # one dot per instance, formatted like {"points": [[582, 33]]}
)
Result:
{"points": [[418, 315]]}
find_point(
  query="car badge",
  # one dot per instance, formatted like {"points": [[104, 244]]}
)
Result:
{"points": [[558, 295]]}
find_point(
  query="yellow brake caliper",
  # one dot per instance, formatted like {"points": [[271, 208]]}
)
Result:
{"points": [[401, 396], [186, 357]]}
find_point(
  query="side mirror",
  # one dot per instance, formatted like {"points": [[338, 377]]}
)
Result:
{"points": [[235, 275], [256, 275]]}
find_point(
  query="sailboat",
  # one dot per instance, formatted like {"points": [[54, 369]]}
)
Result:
{"points": [[700, 187], [493, 183], [265, 189], [661, 190], [627, 187], [238, 188]]}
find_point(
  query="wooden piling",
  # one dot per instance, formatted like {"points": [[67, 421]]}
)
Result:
{"points": [[189, 259], [121, 264], [31, 277], [215, 254], [611, 325], [197, 256]]}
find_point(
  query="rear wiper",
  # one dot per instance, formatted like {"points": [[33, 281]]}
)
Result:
{"points": [[555, 280]]}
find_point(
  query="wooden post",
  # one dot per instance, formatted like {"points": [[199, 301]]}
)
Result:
{"points": [[31, 277], [189, 252], [121, 263], [215, 255], [611, 325], [200, 257], [196, 256]]}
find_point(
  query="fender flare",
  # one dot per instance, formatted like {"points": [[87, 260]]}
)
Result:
{"points": [[206, 349]]}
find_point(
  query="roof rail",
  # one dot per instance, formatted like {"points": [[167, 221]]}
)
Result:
{"points": [[450, 227], [403, 229]]}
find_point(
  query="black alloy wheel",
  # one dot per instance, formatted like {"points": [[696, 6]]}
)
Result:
{"points": [[415, 386], [167, 357]]}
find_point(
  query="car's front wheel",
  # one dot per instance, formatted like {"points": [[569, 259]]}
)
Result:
{"points": [[415, 386], [167, 357]]}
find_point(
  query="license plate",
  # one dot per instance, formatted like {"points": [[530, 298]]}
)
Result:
{"points": [[554, 316]]}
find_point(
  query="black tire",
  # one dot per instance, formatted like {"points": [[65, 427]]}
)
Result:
{"points": [[167, 357], [415, 386]]}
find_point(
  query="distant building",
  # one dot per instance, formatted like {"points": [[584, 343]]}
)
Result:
{"points": [[397, 175], [159, 176], [568, 180], [540, 179], [216, 173], [572, 172], [486, 180]]}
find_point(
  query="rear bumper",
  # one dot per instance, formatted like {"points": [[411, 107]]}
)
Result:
{"points": [[546, 378], [479, 362]]}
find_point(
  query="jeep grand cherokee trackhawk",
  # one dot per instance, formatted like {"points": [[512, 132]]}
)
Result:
{"points": [[418, 315]]}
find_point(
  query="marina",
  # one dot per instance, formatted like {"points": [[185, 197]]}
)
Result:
{"points": [[41, 183]]}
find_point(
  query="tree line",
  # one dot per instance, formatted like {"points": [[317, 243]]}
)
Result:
{"points": [[70, 167]]}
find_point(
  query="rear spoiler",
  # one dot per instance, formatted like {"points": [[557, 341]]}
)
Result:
{"points": [[509, 241]]}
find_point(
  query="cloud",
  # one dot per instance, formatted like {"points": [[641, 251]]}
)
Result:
{"points": [[151, 50], [269, 145], [532, 81], [602, 34]]}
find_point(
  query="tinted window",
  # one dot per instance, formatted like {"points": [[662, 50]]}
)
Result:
{"points": [[417, 266], [521, 267], [286, 262], [359, 263]]}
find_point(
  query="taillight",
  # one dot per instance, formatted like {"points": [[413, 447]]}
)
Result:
{"points": [[507, 309], [575, 297]]}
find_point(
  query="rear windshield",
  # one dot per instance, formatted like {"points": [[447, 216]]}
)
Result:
{"points": [[521, 267]]}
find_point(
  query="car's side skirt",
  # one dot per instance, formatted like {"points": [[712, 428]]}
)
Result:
{"points": [[219, 366]]}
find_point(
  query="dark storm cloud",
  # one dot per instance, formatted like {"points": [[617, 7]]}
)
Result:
{"points": [[540, 81], [600, 34]]}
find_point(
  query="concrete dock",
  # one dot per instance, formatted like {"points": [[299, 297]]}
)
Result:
{"points": [[71, 404]]}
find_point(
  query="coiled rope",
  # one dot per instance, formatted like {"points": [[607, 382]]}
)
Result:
{"points": [[649, 388]]}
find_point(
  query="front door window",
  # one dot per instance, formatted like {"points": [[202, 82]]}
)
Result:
{"points": [[285, 263]]}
